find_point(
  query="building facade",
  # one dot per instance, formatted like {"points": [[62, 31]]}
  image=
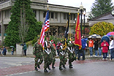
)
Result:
{"points": [[58, 15]]}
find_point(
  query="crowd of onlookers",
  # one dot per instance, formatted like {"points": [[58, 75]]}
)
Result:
{"points": [[101, 48], [3, 51]]}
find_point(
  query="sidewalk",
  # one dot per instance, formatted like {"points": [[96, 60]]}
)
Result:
{"points": [[32, 56]]}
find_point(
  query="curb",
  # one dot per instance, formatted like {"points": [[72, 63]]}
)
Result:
{"points": [[32, 56]]}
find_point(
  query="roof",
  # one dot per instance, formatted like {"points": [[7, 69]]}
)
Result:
{"points": [[105, 16]]}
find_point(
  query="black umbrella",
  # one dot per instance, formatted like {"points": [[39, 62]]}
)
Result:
{"points": [[95, 36]]}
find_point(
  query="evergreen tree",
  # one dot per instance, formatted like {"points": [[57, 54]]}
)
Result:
{"points": [[12, 30], [29, 22], [100, 7], [22, 15]]}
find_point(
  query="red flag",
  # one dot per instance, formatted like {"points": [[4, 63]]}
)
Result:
{"points": [[78, 33]]}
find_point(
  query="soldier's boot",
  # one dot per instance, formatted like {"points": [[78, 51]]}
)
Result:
{"points": [[70, 66], [45, 70], [60, 68], [38, 66], [36, 69], [49, 68], [53, 66], [64, 66]]}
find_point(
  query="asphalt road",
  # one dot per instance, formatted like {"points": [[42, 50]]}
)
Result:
{"points": [[85, 69], [22, 66]]}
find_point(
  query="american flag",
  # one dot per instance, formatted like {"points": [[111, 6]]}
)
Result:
{"points": [[46, 22], [45, 27]]}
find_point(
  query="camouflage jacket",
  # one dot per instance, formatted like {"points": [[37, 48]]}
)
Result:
{"points": [[53, 50], [38, 50]]}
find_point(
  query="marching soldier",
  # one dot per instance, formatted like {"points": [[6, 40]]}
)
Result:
{"points": [[47, 55], [62, 57], [38, 52], [71, 53], [53, 49]]}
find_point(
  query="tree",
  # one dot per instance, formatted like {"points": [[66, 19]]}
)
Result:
{"points": [[29, 26], [101, 28], [12, 30], [86, 30], [23, 26], [100, 7]]}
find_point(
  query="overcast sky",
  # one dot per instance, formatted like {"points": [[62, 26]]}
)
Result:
{"points": [[76, 3]]}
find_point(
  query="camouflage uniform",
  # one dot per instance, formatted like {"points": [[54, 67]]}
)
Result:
{"points": [[71, 53], [53, 50], [38, 52], [47, 56], [62, 57]]}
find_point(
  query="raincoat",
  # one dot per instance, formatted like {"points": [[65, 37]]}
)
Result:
{"points": [[104, 46]]}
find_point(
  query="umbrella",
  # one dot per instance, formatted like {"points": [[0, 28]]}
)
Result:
{"points": [[12, 46], [94, 36], [105, 37], [110, 34]]}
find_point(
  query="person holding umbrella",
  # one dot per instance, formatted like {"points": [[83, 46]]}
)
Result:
{"points": [[96, 47], [105, 37], [99, 47], [104, 46], [93, 44], [91, 47], [12, 50]]}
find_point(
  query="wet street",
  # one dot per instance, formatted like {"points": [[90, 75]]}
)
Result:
{"points": [[22, 66]]}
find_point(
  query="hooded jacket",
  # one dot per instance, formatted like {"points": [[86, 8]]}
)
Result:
{"points": [[104, 46]]}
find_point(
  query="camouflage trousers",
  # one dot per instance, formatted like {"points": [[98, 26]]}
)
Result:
{"points": [[63, 61], [38, 60], [71, 57], [53, 58], [53, 61], [47, 61]]}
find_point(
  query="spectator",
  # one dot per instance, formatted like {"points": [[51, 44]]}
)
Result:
{"points": [[96, 47], [4, 50], [99, 47], [104, 46], [12, 50], [91, 47], [24, 48], [82, 51], [111, 48]]}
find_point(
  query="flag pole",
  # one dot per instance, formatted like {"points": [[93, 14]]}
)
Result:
{"points": [[66, 31], [69, 26], [45, 28], [47, 10]]}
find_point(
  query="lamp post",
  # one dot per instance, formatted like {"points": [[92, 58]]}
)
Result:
{"points": [[81, 10], [112, 14], [84, 21]]}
